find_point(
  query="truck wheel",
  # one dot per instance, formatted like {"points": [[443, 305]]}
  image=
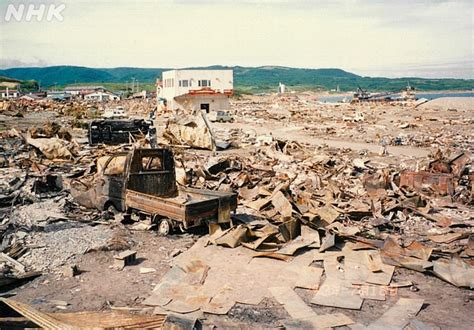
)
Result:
{"points": [[112, 209], [164, 227], [110, 212]]}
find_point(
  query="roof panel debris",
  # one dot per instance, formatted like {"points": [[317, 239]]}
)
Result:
{"points": [[337, 222]]}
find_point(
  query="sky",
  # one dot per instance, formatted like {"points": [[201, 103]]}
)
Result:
{"points": [[405, 38]]}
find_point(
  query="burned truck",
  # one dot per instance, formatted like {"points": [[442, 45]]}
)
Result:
{"points": [[113, 131], [143, 182]]}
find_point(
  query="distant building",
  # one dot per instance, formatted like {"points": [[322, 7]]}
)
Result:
{"points": [[10, 84], [207, 90], [82, 90], [408, 93], [9, 94], [30, 97], [281, 88], [101, 96], [78, 91], [58, 95], [139, 95]]}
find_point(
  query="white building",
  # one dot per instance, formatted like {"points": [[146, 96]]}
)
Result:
{"points": [[82, 90], [207, 90], [9, 94], [281, 88], [101, 96], [30, 97]]}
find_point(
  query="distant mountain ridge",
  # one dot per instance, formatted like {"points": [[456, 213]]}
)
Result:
{"points": [[253, 79]]}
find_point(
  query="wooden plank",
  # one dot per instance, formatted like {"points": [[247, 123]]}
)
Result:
{"points": [[18, 266]]}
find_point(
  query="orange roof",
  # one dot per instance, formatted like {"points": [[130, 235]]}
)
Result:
{"points": [[208, 91]]}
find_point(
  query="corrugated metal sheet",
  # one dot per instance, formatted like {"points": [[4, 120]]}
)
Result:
{"points": [[440, 183], [86, 320]]}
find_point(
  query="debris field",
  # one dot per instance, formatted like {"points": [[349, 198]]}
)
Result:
{"points": [[346, 216]]}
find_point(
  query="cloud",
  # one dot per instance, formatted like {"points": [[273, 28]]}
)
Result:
{"points": [[389, 37], [15, 63]]}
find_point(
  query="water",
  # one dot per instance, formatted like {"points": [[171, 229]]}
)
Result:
{"points": [[432, 96], [334, 99], [429, 96]]}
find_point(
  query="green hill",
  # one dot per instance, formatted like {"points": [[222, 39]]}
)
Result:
{"points": [[251, 79], [25, 85], [8, 79]]}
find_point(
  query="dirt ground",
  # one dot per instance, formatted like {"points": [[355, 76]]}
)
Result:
{"points": [[100, 286]]}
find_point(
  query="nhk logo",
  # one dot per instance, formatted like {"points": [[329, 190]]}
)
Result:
{"points": [[22, 12]]}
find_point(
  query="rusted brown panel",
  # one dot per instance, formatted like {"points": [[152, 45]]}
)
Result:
{"points": [[440, 183], [155, 205], [206, 194], [440, 166], [201, 207], [198, 211], [224, 204]]}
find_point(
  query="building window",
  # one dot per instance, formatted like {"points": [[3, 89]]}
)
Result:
{"points": [[204, 83], [183, 83]]}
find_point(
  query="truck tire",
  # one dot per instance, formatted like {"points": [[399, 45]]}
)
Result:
{"points": [[110, 212], [164, 227], [111, 209]]}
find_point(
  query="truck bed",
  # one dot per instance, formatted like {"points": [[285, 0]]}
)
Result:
{"points": [[190, 207]]}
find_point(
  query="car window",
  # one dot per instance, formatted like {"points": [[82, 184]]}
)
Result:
{"points": [[151, 164], [116, 166]]}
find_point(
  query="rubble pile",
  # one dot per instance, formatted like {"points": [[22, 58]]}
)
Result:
{"points": [[335, 222], [390, 123], [340, 195], [189, 130], [21, 107], [35, 206], [300, 206]]}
